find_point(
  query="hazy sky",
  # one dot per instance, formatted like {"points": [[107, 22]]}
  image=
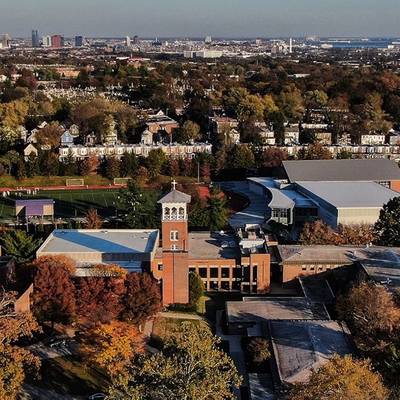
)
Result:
{"points": [[197, 18]]}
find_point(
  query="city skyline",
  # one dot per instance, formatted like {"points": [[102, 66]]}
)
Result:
{"points": [[179, 18]]}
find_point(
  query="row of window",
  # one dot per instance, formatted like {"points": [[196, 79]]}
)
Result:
{"points": [[313, 268], [224, 272]]}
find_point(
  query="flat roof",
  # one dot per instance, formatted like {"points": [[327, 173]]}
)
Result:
{"points": [[113, 241], [303, 346], [342, 170], [350, 194], [206, 245], [322, 254], [253, 310]]}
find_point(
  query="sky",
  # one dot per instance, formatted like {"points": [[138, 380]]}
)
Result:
{"points": [[198, 18]]}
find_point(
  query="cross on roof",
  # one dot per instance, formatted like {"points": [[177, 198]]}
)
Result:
{"points": [[174, 183]]}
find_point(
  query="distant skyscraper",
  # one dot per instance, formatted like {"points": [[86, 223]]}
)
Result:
{"points": [[208, 40], [5, 41], [35, 38], [136, 39], [46, 41], [128, 41], [78, 41], [57, 41], [291, 46]]}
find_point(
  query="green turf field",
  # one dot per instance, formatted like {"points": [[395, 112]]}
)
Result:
{"points": [[68, 203]]}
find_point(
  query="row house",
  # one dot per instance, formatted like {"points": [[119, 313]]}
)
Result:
{"points": [[79, 152]]}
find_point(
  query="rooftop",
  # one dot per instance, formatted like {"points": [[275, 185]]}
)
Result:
{"points": [[321, 254], [260, 309], [303, 346], [124, 241], [349, 194], [212, 246], [175, 196], [342, 170]]}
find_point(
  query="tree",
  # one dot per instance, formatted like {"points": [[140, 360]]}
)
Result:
{"points": [[190, 366], [387, 228], [139, 206], [291, 103], [89, 165], [258, 351], [314, 152], [342, 378], [20, 245], [54, 292], [155, 162], [99, 298], [112, 346], [129, 165], [241, 157], [372, 315], [217, 212], [49, 163], [93, 221], [196, 289], [112, 168], [142, 298], [273, 157], [15, 362], [49, 136], [20, 172], [189, 132], [316, 99]]}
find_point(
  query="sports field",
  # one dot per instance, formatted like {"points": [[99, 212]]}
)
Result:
{"points": [[68, 203]]}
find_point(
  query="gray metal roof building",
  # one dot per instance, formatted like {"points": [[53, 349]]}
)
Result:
{"points": [[377, 170]]}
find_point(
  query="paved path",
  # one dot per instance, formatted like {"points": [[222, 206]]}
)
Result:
{"points": [[235, 351], [256, 210], [178, 315]]}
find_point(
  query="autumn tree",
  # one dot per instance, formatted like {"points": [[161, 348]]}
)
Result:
{"points": [[241, 157], [15, 362], [142, 298], [111, 346], [387, 228], [92, 219], [89, 165], [54, 292], [258, 351], [272, 157], [49, 136], [314, 152], [20, 245], [190, 366], [99, 298], [342, 378], [112, 168], [372, 315]]}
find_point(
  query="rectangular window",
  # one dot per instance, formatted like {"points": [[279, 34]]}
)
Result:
{"points": [[174, 236], [255, 273], [213, 285], [237, 273], [174, 247], [160, 267], [225, 285], [203, 272], [225, 272], [213, 272]]}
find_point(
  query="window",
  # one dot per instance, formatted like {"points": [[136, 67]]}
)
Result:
{"points": [[203, 272], [304, 268], [192, 270], [160, 267], [174, 213], [174, 235], [225, 272], [213, 272], [255, 273], [225, 285], [213, 285], [312, 268], [280, 213], [235, 285], [174, 247], [237, 273], [181, 213]]}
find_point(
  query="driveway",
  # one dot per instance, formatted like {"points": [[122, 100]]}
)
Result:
{"points": [[256, 210]]}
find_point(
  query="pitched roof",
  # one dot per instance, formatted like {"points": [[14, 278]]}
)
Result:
{"points": [[342, 170], [175, 196]]}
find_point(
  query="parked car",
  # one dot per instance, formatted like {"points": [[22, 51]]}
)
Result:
{"points": [[97, 396]]}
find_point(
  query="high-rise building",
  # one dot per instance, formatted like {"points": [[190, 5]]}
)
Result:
{"points": [[128, 41], [35, 38], [57, 41], [136, 39], [290, 45], [46, 41], [78, 41], [5, 41], [208, 40]]}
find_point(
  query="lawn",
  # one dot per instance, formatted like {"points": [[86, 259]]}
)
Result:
{"points": [[68, 203], [67, 375]]}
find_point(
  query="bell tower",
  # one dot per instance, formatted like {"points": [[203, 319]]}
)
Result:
{"points": [[175, 246]]}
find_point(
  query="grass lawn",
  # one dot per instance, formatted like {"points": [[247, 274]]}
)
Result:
{"points": [[67, 375], [68, 203]]}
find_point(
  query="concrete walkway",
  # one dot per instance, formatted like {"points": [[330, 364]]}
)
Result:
{"points": [[256, 210], [235, 351], [179, 315]]}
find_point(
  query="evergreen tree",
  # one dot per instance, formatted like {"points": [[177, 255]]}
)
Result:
{"points": [[387, 228], [20, 245], [196, 289]]}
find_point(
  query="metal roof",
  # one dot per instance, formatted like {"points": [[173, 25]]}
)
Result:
{"points": [[349, 194], [342, 170], [175, 196]]}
